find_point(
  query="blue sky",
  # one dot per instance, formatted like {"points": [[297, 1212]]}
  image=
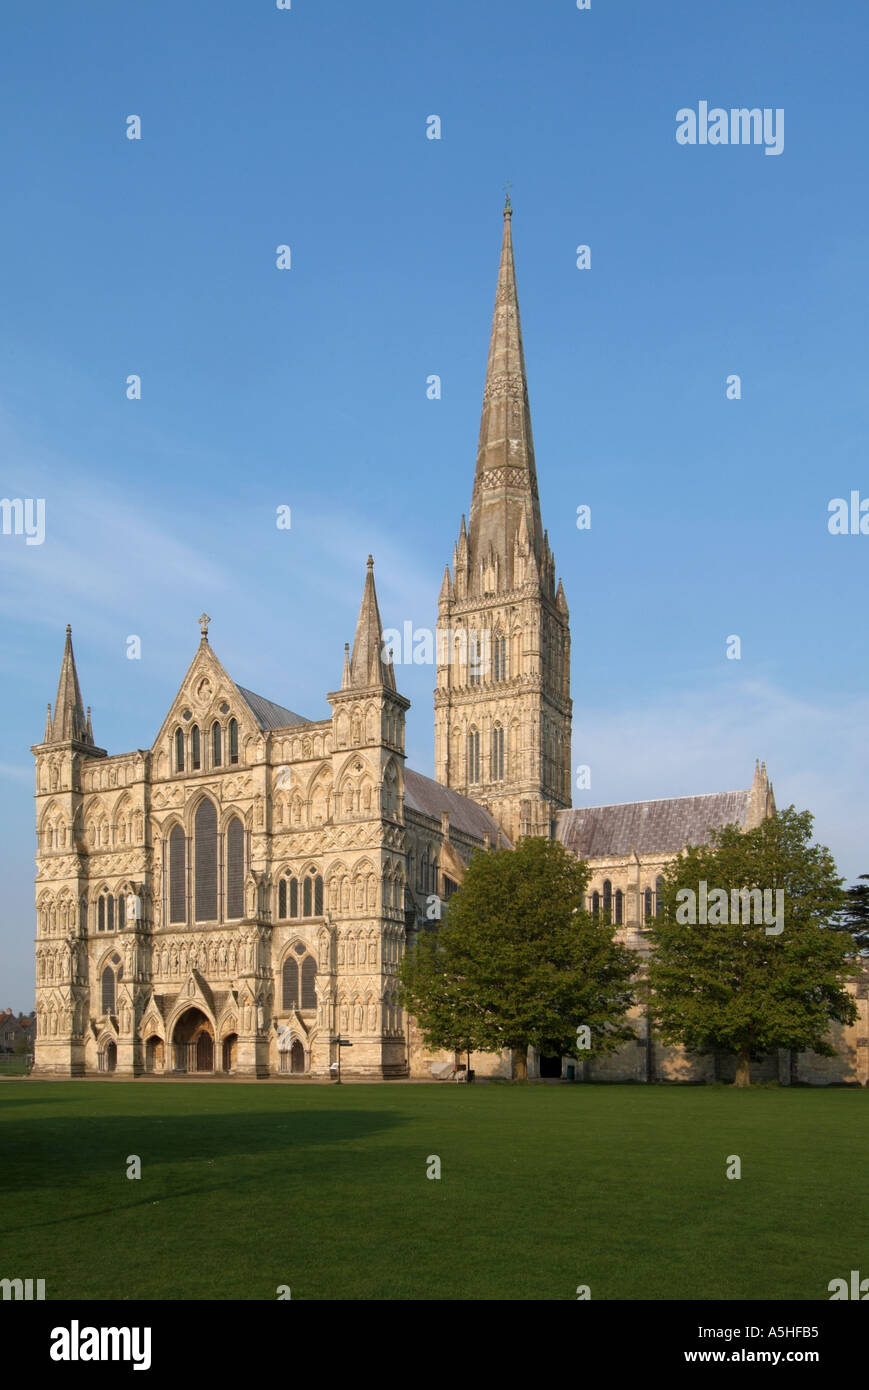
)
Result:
{"points": [[307, 387]]}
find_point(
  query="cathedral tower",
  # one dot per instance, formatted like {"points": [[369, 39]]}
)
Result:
{"points": [[62, 877], [502, 703]]}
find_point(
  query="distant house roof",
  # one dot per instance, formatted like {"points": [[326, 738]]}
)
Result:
{"points": [[649, 827], [429, 798], [267, 714]]}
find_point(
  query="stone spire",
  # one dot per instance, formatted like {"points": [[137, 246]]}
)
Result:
{"points": [[367, 667], [69, 720], [505, 507]]}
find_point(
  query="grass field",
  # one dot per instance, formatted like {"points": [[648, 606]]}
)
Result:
{"points": [[543, 1188]]}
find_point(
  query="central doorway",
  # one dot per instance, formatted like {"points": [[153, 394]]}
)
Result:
{"points": [[193, 1043], [550, 1066]]}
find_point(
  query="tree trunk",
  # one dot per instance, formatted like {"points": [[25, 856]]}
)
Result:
{"points": [[743, 1067], [520, 1064]]}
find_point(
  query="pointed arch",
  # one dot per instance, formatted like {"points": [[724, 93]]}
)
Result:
{"points": [[473, 755], [205, 861], [177, 842], [235, 838]]}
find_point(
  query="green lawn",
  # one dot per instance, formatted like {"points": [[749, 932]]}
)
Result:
{"points": [[543, 1188]]}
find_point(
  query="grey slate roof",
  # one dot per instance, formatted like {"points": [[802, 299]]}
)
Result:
{"points": [[267, 714], [649, 827], [430, 798]]}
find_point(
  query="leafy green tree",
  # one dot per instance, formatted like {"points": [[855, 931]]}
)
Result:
{"points": [[740, 985], [854, 914], [519, 962]]}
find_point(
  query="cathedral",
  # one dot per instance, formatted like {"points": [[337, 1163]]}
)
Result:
{"points": [[236, 898]]}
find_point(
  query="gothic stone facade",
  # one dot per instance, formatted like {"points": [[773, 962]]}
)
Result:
{"points": [[234, 897]]}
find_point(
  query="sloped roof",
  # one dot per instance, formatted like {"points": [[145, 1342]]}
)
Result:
{"points": [[429, 798], [267, 714], [649, 827]]}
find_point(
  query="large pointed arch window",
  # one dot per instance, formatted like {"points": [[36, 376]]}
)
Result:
{"points": [[177, 875], [235, 868], [205, 851]]}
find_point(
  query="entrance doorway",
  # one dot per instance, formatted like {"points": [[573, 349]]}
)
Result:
{"points": [[230, 1051], [154, 1054], [297, 1057], [193, 1043], [109, 1057], [550, 1066]]}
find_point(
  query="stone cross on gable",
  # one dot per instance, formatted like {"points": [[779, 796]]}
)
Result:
{"points": [[204, 620]]}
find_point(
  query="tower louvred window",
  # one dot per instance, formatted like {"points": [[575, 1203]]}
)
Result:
{"points": [[499, 659], [474, 756], [497, 753]]}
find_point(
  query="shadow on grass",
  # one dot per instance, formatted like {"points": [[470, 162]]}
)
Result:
{"points": [[68, 1152]]}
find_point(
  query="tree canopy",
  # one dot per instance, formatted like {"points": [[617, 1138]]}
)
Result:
{"points": [[519, 962], [758, 973]]}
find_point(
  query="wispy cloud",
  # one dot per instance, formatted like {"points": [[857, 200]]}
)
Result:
{"points": [[706, 740]]}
